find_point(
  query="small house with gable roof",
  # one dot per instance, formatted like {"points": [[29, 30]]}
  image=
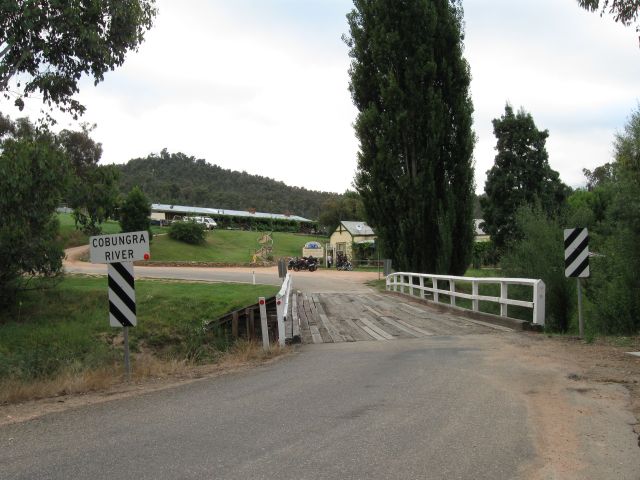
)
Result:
{"points": [[348, 233]]}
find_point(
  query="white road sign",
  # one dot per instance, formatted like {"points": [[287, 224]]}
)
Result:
{"points": [[121, 247]]}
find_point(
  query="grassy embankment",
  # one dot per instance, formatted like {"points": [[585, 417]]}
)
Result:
{"points": [[221, 246], [228, 246], [70, 237], [59, 340]]}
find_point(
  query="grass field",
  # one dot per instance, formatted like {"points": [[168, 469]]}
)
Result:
{"points": [[227, 246], [71, 237], [222, 246], [66, 328]]}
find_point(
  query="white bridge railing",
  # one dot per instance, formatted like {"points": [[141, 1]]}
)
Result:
{"points": [[424, 285], [282, 307]]}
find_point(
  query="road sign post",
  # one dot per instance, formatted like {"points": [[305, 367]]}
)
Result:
{"points": [[127, 362], [119, 251], [576, 263]]}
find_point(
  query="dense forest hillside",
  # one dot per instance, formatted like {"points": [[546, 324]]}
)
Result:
{"points": [[178, 179]]}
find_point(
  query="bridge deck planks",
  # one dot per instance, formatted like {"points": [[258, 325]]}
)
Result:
{"points": [[342, 317]]}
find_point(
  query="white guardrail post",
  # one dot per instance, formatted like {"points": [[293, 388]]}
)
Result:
{"points": [[504, 294], [475, 303], [539, 293], [434, 285], [282, 305], [452, 289]]}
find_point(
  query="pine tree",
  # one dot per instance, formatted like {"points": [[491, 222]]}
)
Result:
{"points": [[410, 83], [520, 176]]}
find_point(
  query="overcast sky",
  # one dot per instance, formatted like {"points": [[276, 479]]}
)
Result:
{"points": [[262, 86]]}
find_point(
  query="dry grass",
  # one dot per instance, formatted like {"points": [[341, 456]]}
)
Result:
{"points": [[243, 352], [145, 367], [14, 391]]}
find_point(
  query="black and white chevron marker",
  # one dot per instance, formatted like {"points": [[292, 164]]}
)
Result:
{"points": [[576, 252], [122, 295]]}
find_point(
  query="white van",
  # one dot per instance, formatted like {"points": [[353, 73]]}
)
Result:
{"points": [[208, 222]]}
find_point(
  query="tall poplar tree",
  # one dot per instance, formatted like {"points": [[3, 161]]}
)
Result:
{"points": [[410, 84]]}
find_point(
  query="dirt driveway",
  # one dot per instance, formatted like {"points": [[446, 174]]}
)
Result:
{"points": [[322, 280]]}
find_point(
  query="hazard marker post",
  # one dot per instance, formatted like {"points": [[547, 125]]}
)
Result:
{"points": [[263, 323], [119, 251], [576, 263]]}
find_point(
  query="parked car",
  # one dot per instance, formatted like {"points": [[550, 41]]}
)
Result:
{"points": [[208, 222]]}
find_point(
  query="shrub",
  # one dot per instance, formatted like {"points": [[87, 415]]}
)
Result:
{"points": [[540, 254], [188, 232], [484, 254]]}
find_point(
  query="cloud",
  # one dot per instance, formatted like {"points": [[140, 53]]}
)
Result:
{"points": [[575, 72], [262, 86]]}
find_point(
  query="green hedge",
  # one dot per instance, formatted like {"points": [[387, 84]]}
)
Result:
{"points": [[188, 232]]}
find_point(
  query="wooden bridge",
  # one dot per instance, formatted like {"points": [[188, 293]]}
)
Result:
{"points": [[349, 317]]}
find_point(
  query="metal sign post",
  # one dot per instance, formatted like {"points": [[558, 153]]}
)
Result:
{"points": [[580, 319], [118, 252], [576, 263], [127, 363]]}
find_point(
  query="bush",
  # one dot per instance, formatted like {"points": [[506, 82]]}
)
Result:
{"points": [[484, 254], [188, 232], [540, 254], [135, 212], [615, 274]]}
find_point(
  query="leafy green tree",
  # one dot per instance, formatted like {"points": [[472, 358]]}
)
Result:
{"points": [[135, 212], [410, 84], [94, 189], [341, 207], [520, 176], [615, 282], [94, 198], [623, 11], [48, 45], [33, 178], [83, 152], [599, 175]]}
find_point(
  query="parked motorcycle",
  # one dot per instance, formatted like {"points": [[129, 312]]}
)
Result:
{"points": [[305, 263], [345, 266], [312, 264], [343, 263]]}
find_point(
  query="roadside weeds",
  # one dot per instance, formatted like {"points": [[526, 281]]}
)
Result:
{"points": [[20, 401]]}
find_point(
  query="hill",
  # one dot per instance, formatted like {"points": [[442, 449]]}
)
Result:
{"points": [[182, 180]]}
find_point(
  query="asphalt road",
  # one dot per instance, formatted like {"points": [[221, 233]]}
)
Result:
{"points": [[366, 410], [452, 405]]}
